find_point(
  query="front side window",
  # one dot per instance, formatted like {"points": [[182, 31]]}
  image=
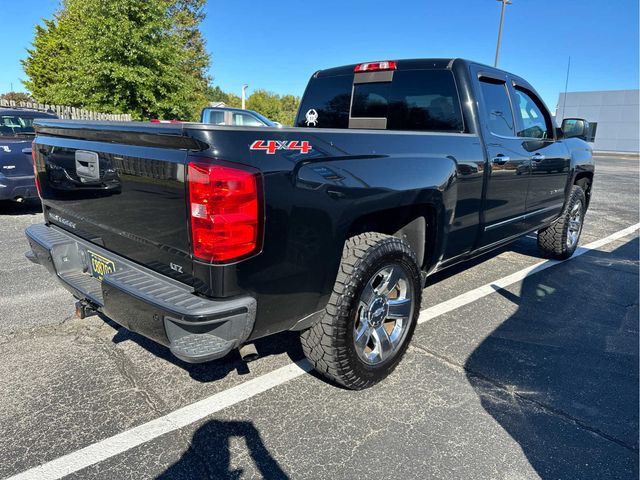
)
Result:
{"points": [[535, 123], [498, 107], [415, 100], [246, 120]]}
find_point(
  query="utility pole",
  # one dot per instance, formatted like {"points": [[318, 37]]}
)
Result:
{"points": [[504, 4], [244, 90], [566, 88]]}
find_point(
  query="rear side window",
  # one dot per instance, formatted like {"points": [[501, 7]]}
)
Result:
{"points": [[215, 117], [498, 107], [425, 100], [326, 103], [415, 100]]}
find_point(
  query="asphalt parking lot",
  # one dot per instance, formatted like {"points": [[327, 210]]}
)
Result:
{"points": [[536, 377]]}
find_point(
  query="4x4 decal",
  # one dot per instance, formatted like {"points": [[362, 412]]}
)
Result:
{"points": [[270, 146]]}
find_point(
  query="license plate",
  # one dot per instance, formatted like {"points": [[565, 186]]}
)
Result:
{"points": [[100, 265]]}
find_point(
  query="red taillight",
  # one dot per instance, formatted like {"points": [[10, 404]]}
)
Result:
{"points": [[376, 66], [35, 168], [225, 212]]}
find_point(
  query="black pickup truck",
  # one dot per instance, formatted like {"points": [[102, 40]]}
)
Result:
{"points": [[204, 238]]}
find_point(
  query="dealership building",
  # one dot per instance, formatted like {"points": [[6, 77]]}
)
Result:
{"points": [[614, 117]]}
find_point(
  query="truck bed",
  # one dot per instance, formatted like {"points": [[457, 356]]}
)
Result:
{"points": [[138, 207]]}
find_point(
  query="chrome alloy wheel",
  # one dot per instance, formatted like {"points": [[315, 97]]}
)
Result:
{"points": [[575, 225], [384, 314]]}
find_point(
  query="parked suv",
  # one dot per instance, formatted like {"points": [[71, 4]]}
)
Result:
{"points": [[17, 181]]}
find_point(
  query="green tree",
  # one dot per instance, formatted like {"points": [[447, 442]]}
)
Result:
{"points": [[279, 108], [16, 97], [216, 94], [289, 108], [48, 60], [146, 58]]}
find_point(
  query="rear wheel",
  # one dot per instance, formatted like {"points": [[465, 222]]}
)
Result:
{"points": [[371, 315], [560, 239]]}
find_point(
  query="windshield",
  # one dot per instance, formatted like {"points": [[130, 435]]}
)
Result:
{"points": [[11, 125]]}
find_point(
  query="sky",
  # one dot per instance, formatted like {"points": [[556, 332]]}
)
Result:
{"points": [[278, 44]]}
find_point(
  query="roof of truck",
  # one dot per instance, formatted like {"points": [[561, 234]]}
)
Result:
{"points": [[26, 112], [406, 64]]}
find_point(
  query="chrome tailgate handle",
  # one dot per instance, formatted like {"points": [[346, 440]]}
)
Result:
{"points": [[87, 165]]}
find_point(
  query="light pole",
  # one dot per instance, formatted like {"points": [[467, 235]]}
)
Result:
{"points": [[504, 4], [244, 90]]}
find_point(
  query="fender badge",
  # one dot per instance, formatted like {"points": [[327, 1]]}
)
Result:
{"points": [[311, 117], [270, 146]]}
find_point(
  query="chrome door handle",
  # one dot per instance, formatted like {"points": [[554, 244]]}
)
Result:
{"points": [[538, 157], [500, 159]]}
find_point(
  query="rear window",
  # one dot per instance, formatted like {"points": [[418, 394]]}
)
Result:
{"points": [[15, 124], [422, 100], [327, 101]]}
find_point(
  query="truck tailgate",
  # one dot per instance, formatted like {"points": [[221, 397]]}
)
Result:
{"points": [[120, 186]]}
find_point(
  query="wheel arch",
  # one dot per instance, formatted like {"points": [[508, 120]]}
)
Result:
{"points": [[416, 224], [585, 180]]}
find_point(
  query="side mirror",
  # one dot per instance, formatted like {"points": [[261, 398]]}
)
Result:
{"points": [[575, 128]]}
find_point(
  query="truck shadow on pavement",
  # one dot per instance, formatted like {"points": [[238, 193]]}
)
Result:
{"points": [[561, 374], [209, 454], [28, 207], [284, 342]]}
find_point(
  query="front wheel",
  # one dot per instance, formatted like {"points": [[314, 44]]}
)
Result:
{"points": [[371, 315], [560, 239]]}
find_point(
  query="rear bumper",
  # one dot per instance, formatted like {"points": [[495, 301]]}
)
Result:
{"points": [[196, 329], [12, 188]]}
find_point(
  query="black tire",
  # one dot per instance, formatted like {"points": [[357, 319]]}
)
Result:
{"points": [[330, 343], [552, 241]]}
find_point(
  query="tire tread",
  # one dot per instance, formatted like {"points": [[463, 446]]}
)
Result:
{"points": [[323, 342], [552, 239]]}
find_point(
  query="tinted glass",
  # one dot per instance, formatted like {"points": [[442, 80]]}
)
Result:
{"points": [[498, 107], [593, 128], [415, 100], [371, 100], [326, 103], [15, 124], [534, 121]]}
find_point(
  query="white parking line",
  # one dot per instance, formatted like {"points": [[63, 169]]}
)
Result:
{"points": [[484, 290], [120, 443]]}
